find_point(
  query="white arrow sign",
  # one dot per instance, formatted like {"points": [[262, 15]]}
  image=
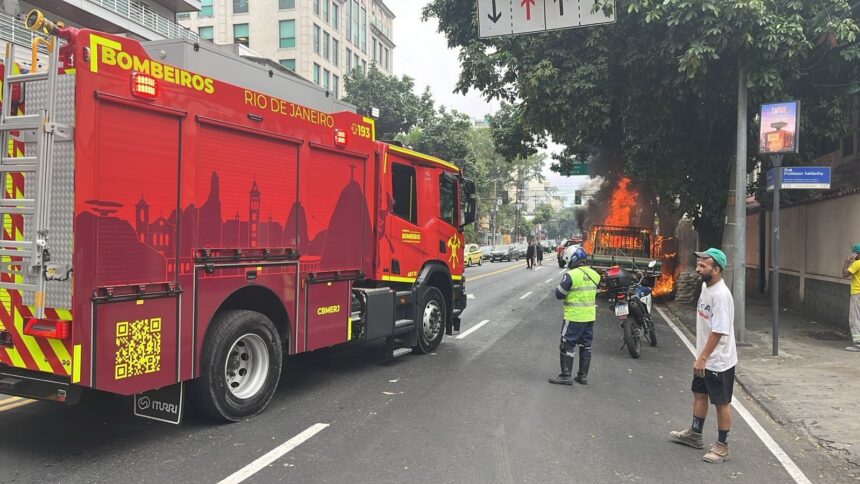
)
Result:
{"points": [[508, 17]]}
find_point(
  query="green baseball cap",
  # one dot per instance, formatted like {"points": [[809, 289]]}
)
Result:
{"points": [[856, 248], [716, 254]]}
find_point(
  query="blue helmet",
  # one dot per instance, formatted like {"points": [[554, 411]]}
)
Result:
{"points": [[577, 257]]}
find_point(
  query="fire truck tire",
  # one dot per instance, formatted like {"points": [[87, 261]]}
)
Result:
{"points": [[430, 325], [240, 366]]}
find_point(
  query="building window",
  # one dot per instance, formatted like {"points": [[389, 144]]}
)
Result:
{"points": [[385, 60], [403, 191], [363, 29], [317, 35], [348, 60], [326, 78], [286, 4], [335, 86], [364, 66], [206, 33], [240, 34], [240, 6], [355, 24], [335, 16], [326, 47], [356, 62], [317, 7], [335, 52], [325, 6], [316, 73], [288, 34], [288, 63], [205, 8], [348, 20], [373, 43]]}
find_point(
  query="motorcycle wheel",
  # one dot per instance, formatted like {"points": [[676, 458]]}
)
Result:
{"points": [[631, 340], [652, 334]]}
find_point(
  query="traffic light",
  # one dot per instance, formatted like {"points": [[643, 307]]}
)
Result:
{"points": [[577, 197]]}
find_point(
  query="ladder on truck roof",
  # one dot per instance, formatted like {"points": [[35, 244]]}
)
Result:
{"points": [[30, 255]]}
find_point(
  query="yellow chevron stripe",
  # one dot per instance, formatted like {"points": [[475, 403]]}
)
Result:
{"points": [[58, 347], [76, 366]]}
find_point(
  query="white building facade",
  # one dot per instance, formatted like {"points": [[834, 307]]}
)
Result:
{"points": [[320, 40]]}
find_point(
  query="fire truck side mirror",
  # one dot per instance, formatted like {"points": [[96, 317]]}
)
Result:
{"points": [[470, 204]]}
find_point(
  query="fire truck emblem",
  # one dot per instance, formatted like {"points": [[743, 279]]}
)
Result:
{"points": [[454, 244]]}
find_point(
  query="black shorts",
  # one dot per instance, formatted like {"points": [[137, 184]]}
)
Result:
{"points": [[717, 385]]}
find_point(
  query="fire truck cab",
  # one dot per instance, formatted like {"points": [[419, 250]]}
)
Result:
{"points": [[163, 226]]}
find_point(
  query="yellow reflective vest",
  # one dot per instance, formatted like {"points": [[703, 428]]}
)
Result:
{"points": [[580, 303]]}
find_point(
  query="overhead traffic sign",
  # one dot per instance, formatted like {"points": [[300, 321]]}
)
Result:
{"points": [[508, 17]]}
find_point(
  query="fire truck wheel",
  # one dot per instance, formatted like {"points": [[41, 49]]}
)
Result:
{"points": [[240, 366], [431, 321]]}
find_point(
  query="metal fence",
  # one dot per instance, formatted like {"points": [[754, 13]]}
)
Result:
{"points": [[142, 14]]}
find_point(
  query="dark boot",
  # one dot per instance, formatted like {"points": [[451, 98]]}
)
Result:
{"points": [[582, 374], [563, 378]]}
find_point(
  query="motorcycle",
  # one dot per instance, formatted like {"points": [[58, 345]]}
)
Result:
{"points": [[631, 302]]}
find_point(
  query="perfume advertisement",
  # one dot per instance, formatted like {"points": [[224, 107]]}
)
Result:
{"points": [[778, 132]]}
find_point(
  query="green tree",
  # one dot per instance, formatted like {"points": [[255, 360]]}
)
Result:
{"points": [[399, 107], [445, 134], [652, 96]]}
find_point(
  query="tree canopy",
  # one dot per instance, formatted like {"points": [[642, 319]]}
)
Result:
{"points": [[653, 95]]}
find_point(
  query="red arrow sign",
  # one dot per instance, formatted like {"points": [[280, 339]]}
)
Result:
{"points": [[528, 5]]}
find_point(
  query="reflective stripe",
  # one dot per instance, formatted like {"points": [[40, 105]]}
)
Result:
{"points": [[561, 290], [579, 305], [586, 288]]}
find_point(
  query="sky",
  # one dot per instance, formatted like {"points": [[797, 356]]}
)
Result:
{"points": [[423, 54]]}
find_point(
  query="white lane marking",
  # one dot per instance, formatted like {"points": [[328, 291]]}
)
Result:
{"points": [[562, 271], [273, 455], [472, 329], [470, 296], [526, 295], [774, 448], [548, 280]]}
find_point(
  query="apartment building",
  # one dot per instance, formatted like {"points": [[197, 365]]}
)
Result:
{"points": [[320, 40]]}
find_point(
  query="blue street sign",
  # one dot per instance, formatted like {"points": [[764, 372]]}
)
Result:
{"points": [[802, 178]]}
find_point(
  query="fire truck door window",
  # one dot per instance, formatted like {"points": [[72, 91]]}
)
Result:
{"points": [[448, 198], [403, 190], [131, 218]]}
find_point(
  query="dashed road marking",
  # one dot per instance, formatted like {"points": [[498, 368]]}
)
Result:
{"points": [[273, 455], [548, 281], [526, 295], [472, 329]]}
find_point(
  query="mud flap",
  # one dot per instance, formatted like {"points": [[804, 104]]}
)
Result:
{"points": [[163, 405]]}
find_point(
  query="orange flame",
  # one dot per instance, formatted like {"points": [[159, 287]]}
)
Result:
{"points": [[622, 205]]}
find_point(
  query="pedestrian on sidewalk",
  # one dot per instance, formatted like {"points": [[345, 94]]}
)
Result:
{"points": [[714, 368], [851, 269], [539, 253], [578, 289], [530, 256]]}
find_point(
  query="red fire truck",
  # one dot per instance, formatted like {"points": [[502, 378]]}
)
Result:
{"points": [[163, 226]]}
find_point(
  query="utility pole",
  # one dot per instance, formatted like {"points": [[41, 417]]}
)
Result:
{"points": [[740, 215], [495, 205]]}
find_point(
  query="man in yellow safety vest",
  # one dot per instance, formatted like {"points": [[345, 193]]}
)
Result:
{"points": [[578, 289]]}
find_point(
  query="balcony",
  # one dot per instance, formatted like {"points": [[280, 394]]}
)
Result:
{"points": [[119, 16], [12, 30]]}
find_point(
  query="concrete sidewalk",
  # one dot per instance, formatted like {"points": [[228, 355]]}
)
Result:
{"points": [[814, 384]]}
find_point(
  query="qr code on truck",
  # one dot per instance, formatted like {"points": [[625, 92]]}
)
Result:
{"points": [[138, 347]]}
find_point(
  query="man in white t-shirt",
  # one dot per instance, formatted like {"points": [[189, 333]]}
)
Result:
{"points": [[714, 369]]}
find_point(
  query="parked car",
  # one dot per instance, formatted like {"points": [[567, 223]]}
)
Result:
{"points": [[471, 255], [503, 252], [520, 251], [486, 252]]}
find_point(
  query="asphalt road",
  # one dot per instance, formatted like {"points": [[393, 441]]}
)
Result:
{"points": [[478, 410]]}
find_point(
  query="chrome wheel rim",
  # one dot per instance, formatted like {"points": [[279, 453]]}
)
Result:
{"points": [[432, 320], [247, 366]]}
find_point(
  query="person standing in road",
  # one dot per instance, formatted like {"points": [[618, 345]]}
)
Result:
{"points": [[851, 268], [539, 253], [530, 255], [714, 368], [578, 289]]}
